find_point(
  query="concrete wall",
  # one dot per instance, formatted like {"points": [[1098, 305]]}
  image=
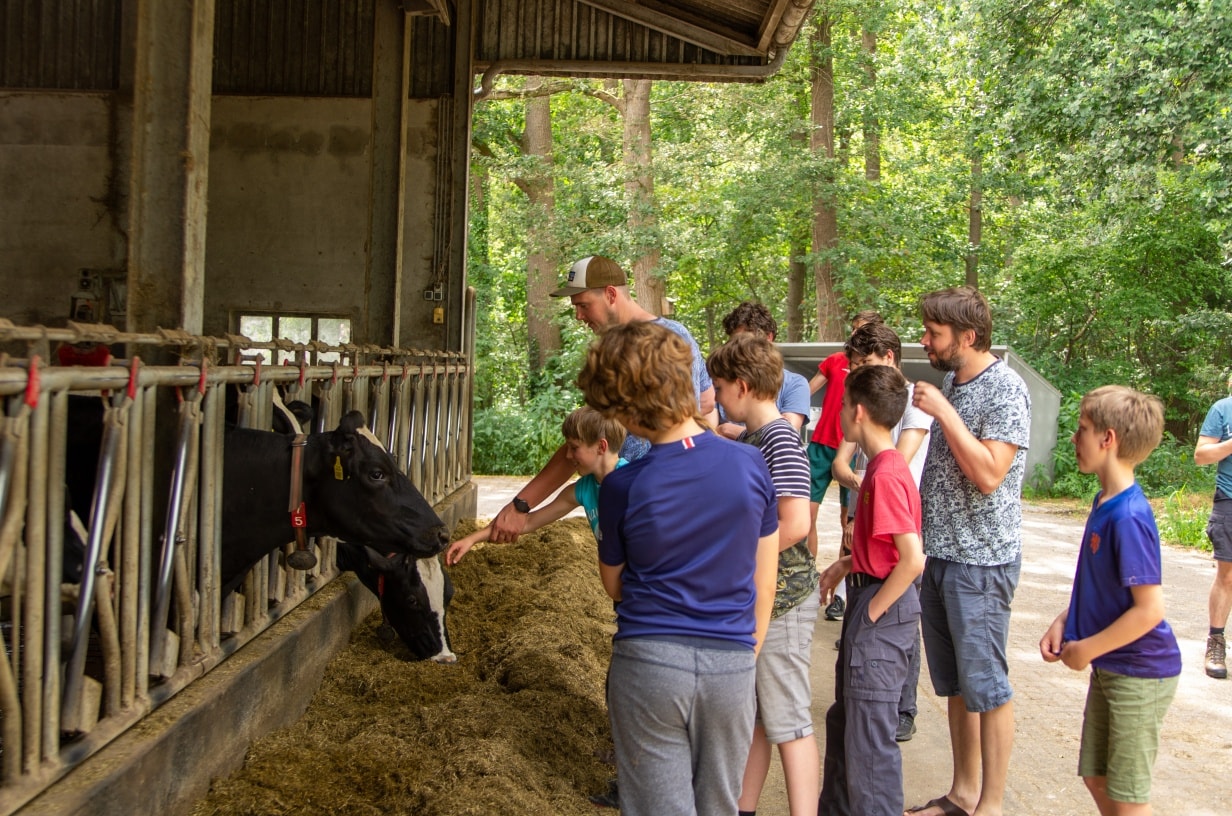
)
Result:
{"points": [[288, 208], [55, 218]]}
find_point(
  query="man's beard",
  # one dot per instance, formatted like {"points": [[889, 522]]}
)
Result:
{"points": [[952, 361]]}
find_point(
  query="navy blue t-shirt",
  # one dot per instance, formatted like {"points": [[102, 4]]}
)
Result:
{"points": [[1120, 550], [685, 520]]}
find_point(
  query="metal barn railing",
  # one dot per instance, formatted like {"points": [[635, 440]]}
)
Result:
{"points": [[85, 661]]}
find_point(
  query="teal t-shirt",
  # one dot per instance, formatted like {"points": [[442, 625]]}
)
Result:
{"points": [[586, 491], [1218, 425]]}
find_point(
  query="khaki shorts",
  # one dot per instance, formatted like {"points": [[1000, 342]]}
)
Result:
{"points": [[1120, 731]]}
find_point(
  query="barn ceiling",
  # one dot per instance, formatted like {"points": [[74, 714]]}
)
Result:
{"points": [[687, 39]]}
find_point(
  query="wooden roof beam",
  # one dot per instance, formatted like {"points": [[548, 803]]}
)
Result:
{"points": [[719, 40]]}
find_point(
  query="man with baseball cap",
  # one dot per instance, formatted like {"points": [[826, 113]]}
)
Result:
{"points": [[599, 291]]}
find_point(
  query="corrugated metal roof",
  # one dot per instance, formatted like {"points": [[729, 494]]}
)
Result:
{"points": [[693, 39]]}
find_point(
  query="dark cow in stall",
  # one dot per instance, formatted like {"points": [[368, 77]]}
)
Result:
{"points": [[352, 489]]}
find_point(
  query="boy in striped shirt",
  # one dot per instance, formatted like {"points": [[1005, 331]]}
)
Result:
{"points": [[747, 373]]}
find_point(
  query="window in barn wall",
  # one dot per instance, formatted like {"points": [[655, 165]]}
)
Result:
{"points": [[263, 328]]}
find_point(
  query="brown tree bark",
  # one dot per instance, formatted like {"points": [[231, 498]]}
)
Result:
{"points": [[542, 332], [975, 221], [795, 295], [830, 323], [872, 126], [649, 286]]}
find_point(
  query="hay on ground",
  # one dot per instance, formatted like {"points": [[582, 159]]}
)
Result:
{"points": [[517, 726]]}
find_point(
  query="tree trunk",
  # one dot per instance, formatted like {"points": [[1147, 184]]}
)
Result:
{"points": [[825, 214], [872, 127], [975, 221], [649, 286], [795, 295], [543, 335]]}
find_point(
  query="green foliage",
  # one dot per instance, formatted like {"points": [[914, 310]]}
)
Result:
{"points": [[1182, 521], [518, 438]]}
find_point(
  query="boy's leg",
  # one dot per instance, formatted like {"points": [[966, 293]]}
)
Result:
{"points": [[662, 722], [784, 696], [907, 708], [1135, 709], [720, 727], [755, 771], [833, 799], [877, 665]]}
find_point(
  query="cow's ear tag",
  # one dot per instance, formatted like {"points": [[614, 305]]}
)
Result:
{"points": [[338, 468]]}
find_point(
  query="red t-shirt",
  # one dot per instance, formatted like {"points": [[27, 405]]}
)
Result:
{"points": [[889, 503], [828, 431]]}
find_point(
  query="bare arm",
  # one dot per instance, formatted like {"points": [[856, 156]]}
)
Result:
{"points": [[817, 382], [1142, 617], [1210, 450], [910, 565], [986, 462], [795, 420], [611, 579], [841, 469], [765, 578], [909, 442], [509, 523], [729, 430], [555, 510], [793, 520], [706, 404]]}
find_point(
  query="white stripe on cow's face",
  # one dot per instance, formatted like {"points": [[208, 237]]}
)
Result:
{"points": [[370, 436], [433, 578]]}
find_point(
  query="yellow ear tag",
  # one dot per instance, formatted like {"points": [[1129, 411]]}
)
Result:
{"points": [[338, 468]]}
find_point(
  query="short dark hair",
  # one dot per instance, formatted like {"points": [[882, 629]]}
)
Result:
{"points": [[867, 316], [874, 338], [962, 308], [882, 390], [751, 358], [751, 316]]}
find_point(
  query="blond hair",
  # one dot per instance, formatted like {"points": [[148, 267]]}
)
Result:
{"points": [[588, 426], [1137, 418]]}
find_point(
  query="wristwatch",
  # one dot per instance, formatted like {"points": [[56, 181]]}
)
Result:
{"points": [[520, 504]]}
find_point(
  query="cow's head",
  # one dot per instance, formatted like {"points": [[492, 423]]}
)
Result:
{"points": [[413, 595], [354, 489]]}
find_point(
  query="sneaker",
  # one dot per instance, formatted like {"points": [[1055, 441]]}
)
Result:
{"points": [[906, 728], [609, 798], [1216, 650], [836, 609]]}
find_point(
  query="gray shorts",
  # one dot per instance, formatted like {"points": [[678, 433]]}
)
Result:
{"points": [[1219, 528], [784, 695], [965, 619]]}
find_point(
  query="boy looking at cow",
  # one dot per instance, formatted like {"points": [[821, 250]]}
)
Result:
{"points": [[883, 607], [1115, 618], [747, 373], [592, 444], [688, 545], [878, 344]]}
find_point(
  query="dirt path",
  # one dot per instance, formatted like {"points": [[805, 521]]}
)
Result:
{"points": [[1196, 744]]}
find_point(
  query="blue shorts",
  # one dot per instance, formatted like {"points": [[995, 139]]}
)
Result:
{"points": [[965, 619], [1219, 528]]}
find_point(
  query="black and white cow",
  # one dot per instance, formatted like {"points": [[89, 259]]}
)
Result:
{"points": [[414, 594], [352, 489]]}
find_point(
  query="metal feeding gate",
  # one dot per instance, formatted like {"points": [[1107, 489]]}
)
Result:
{"points": [[85, 660]]}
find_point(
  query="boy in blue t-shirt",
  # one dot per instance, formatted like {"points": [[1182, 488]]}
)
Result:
{"points": [[689, 547], [1115, 618], [592, 443]]}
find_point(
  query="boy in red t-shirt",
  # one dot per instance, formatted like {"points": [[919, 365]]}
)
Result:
{"points": [[883, 606]]}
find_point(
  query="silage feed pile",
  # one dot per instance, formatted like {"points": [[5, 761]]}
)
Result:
{"points": [[517, 726]]}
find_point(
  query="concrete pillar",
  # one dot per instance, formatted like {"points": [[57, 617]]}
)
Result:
{"points": [[459, 182], [170, 83], [390, 75]]}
